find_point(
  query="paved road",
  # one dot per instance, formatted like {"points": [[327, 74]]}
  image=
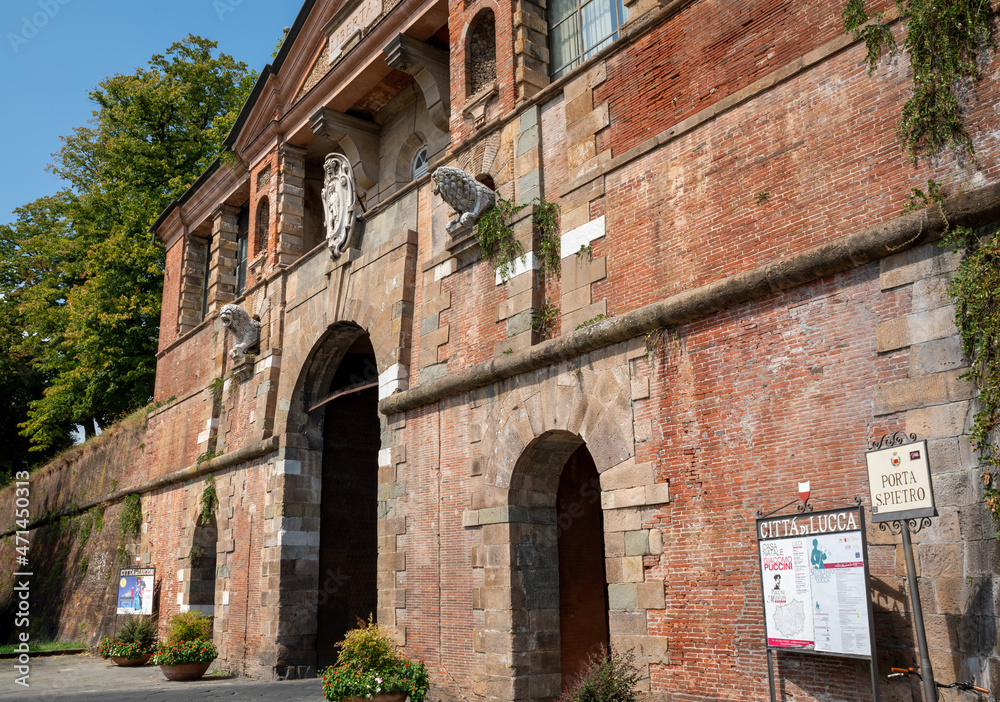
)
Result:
{"points": [[83, 678]]}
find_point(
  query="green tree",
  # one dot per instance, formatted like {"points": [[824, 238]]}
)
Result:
{"points": [[85, 277]]}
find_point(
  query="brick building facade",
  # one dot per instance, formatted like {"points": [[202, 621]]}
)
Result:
{"points": [[739, 306]]}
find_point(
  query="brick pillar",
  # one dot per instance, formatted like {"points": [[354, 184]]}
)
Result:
{"points": [[222, 270], [290, 204]]}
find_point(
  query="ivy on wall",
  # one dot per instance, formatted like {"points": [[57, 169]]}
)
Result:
{"points": [[975, 288], [945, 41]]}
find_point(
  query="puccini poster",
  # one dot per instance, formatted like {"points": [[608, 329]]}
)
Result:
{"points": [[814, 586]]}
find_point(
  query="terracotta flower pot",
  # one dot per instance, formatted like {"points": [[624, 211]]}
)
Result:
{"points": [[185, 671], [126, 662], [394, 697]]}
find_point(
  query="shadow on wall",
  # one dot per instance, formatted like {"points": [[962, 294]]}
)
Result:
{"points": [[74, 563]]}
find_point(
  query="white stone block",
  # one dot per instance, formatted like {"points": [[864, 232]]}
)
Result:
{"points": [[572, 240]]}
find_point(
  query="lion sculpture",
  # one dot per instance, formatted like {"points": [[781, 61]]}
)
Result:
{"points": [[466, 195], [244, 329]]}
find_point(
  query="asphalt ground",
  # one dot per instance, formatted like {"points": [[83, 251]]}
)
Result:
{"points": [[84, 678]]}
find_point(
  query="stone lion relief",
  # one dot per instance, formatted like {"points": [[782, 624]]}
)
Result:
{"points": [[339, 197], [245, 329], [466, 195]]}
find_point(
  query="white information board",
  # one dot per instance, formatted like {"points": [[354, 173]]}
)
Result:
{"points": [[814, 581]]}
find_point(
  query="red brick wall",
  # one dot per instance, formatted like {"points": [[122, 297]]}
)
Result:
{"points": [[706, 52], [188, 367], [171, 293]]}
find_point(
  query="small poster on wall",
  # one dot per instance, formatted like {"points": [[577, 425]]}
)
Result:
{"points": [[135, 590]]}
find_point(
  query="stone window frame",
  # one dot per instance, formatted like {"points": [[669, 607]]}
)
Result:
{"points": [[574, 16]]}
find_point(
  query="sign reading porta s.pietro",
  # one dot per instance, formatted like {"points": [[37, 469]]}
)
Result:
{"points": [[899, 478]]}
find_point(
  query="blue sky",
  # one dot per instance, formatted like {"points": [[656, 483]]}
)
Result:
{"points": [[52, 52]]}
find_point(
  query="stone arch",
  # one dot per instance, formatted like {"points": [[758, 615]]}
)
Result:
{"points": [[594, 403], [339, 368]]}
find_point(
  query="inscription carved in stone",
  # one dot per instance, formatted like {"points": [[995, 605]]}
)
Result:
{"points": [[339, 197]]}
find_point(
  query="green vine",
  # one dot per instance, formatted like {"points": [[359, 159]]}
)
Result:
{"points": [[215, 387], [975, 289], [593, 320], [209, 501], [543, 320], [944, 41], [545, 218], [130, 520], [496, 237]]}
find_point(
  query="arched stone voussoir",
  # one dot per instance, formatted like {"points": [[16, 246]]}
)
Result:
{"points": [[559, 405]]}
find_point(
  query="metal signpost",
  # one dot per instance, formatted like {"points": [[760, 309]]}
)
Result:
{"points": [[815, 583], [899, 478]]}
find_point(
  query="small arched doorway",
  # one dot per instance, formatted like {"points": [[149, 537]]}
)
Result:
{"points": [[348, 546], [583, 594], [204, 558], [560, 553]]}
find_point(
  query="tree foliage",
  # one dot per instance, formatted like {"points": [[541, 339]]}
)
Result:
{"points": [[80, 276]]}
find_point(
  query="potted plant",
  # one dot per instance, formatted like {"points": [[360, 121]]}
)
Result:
{"points": [[189, 651], [185, 660], [132, 644], [371, 667]]}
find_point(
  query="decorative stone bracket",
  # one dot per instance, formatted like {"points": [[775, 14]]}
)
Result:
{"points": [[475, 107], [429, 66], [358, 138]]}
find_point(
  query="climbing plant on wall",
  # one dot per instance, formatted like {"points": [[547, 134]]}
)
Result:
{"points": [[946, 42]]}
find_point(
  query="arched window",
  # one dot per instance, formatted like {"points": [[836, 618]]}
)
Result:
{"points": [[481, 53], [578, 29], [263, 223], [419, 162]]}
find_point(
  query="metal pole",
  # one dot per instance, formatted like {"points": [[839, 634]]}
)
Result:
{"points": [[926, 672], [770, 676]]}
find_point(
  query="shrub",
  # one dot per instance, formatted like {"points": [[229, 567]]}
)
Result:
{"points": [[368, 648], [370, 664], [610, 676], [179, 652], [138, 629], [188, 626]]}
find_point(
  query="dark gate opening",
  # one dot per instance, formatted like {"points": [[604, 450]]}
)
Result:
{"points": [[583, 595], [204, 558], [348, 546]]}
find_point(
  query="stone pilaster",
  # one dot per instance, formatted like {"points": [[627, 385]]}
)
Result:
{"points": [[222, 269], [192, 283], [290, 204], [531, 48]]}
